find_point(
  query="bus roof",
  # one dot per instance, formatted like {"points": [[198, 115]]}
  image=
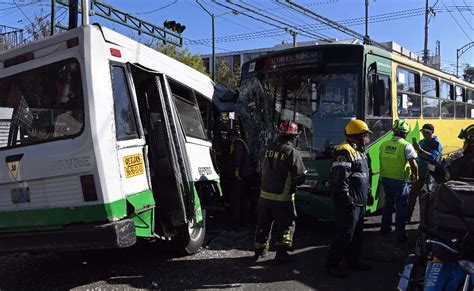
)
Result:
{"points": [[136, 53]]}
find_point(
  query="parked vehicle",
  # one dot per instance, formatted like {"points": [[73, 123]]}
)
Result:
{"points": [[444, 255]]}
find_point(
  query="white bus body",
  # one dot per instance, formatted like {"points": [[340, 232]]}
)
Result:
{"points": [[103, 140]]}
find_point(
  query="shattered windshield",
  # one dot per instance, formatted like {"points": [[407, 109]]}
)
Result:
{"points": [[321, 103]]}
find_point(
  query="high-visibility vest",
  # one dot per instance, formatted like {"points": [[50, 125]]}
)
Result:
{"points": [[393, 163]]}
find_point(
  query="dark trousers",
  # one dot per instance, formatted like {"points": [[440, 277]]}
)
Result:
{"points": [[396, 196], [282, 216], [349, 233], [415, 191], [239, 203]]}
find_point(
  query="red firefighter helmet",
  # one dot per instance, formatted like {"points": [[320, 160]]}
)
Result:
{"points": [[288, 127]]}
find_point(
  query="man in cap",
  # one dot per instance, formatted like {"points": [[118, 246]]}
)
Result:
{"points": [[429, 151]]}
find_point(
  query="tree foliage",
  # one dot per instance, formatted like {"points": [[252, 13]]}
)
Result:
{"points": [[40, 27], [469, 74], [183, 55], [226, 76]]}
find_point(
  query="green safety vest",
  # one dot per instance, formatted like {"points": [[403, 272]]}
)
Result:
{"points": [[393, 163]]}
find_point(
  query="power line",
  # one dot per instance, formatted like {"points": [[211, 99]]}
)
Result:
{"points": [[463, 16], [457, 21], [286, 28], [350, 22], [158, 9], [228, 20]]}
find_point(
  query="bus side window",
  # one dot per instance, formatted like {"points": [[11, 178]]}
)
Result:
{"points": [[408, 93], [460, 102], [125, 124], [447, 97], [188, 110], [470, 103], [205, 106]]}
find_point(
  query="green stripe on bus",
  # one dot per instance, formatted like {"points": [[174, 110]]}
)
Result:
{"points": [[56, 217]]}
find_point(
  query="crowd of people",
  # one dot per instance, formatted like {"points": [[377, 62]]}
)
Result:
{"points": [[404, 172]]}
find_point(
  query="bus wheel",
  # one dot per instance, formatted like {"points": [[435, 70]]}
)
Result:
{"points": [[191, 236]]}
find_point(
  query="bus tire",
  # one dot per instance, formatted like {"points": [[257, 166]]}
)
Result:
{"points": [[190, 239]]}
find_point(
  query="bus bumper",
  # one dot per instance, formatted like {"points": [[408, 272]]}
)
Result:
{"points": [[117, 234]]}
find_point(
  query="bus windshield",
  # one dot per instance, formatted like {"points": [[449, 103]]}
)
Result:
{"points": [[42, 104], [320, 102]]}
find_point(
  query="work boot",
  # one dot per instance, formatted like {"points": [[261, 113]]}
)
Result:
{"points": [[281, 256], [336, 271], [360, 266], [260, 254]]}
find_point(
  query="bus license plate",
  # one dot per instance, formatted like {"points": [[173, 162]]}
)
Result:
{"points": [[20, 195]]}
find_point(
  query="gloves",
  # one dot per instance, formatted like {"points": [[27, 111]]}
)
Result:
{"points": [[370, 199]]}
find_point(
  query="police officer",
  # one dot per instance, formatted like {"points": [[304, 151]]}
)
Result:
{"points": [[282, 171], [463, 167], [429, 151], [240, 172], [397, 157], [350, 179]]}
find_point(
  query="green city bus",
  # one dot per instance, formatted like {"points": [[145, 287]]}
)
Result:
{"points": [[323, 87]]}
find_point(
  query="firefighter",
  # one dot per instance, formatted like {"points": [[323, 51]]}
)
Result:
{"points": [[282, 171], [463, 167], [397, 158], [240, 172], [350, 180]]}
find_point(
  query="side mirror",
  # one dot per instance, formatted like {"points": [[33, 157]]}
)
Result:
{"points": [[451, 200]]}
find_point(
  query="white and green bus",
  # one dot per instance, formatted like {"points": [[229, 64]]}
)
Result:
{"points": [[103, 140]]}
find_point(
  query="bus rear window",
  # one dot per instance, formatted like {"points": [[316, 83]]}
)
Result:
{"points": [[41, 105]]}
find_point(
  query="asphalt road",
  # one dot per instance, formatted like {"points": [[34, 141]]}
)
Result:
{"points": [[224, 262]]}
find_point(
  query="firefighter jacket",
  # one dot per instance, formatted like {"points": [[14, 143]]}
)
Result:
{"points": [[350, 175], [282, 171], [463, 167]]}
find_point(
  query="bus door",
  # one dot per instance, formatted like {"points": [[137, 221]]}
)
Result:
{"points": [[165, 159], [379, 105], [379, 118]]}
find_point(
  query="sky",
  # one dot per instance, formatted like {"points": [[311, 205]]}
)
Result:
{"points": [[401, 21]]}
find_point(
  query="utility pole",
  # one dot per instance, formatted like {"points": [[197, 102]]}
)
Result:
{"points": [[293, 34], [425, 50], [366, 38]]}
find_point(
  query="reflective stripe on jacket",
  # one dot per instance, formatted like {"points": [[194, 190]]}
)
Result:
{"points": [[350, 175], [282, 170]]}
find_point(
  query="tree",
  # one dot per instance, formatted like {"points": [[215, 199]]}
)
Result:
{"points": [[469, 74], [40, 27], [225, 76], [183, 55]]}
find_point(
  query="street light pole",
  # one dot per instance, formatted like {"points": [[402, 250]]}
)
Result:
{"points": [[460, 52], [213, 75], [213, 72]]}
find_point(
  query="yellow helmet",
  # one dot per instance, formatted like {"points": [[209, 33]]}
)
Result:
{"points": [[357, 126]]}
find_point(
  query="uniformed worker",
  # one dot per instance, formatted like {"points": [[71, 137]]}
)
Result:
{"points": [[350, 180], [429, 151], [282, 171], [240, 170], [397, 166], [463, 167]]}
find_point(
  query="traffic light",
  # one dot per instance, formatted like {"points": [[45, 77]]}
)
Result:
{"points": [[174, 26]]}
